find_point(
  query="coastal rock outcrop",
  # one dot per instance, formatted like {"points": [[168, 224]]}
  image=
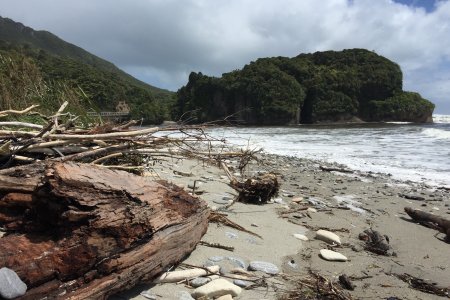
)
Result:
{"points": [[352, 85]]}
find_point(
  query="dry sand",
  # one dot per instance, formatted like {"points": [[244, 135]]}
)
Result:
{"points": [[374, 201]]}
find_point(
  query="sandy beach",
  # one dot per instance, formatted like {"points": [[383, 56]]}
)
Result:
{"points": [[345, 203]]}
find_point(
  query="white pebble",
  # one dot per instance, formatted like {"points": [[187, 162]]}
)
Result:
{"points": [[332, 255], [216, 288], [328, 237], [301, 237]]}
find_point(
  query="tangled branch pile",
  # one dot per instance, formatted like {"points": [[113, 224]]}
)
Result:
{"points": [[109, 146]]}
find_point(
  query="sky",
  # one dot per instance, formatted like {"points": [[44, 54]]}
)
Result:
{"points": [[162, 41]]}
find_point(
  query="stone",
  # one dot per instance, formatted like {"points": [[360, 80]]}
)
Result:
{"points": [[242, 283], [278, 200], [221, 202], [216, 258], [332, 255], [217, 288], [199, 281], [265, 267], [225, 297], [311, 209], [148, 295], [297, 199], [196, 185], [11, 286], [237, 262], [301, 237], [328, 237], [183, 295], [231, 235]]}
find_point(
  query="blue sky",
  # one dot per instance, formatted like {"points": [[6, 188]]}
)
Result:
{"points": [[162, 41], [428, 5]]}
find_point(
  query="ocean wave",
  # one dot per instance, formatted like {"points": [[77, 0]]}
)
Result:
{"points": [[437, 133], [441, 118]]}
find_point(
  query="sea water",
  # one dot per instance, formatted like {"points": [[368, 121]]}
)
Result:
{"points": [[416, 152]]}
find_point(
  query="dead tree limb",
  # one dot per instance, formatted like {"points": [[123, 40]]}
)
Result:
{"points": [[78, 231], [5, 113], [430, 220]]}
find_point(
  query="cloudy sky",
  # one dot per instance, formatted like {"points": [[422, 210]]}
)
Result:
{"points": [[162, 41]]}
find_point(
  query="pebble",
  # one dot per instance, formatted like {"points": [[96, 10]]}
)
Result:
{"points": [[301, 237], [278, 200], [11, 286], [197, 184], [231, 235], [216, 258], [199, 281], [216, 288], [254, 225], [237, 262], [328, 237], [265, 267], [221, 202], [311, 209], [242, 283], [149, 295], [332, 255], [297, 199], [183, 295]]}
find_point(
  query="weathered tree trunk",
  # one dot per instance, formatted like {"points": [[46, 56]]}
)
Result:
{"points": [[78, 231], [438, 223]]}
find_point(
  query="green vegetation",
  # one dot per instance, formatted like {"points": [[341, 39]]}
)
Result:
{"points": [[38, 67], [309, 88]]}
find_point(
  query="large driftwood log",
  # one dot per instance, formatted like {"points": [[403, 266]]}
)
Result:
{"points": [[78, 231], [431, 220]]}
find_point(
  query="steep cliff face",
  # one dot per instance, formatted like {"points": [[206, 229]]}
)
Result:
{"points": [[326, 86]]}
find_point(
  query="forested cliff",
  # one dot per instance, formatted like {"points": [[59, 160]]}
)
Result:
{"points": [[330, 86]]}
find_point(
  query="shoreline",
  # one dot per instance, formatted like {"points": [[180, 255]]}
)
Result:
{"points": [[345, 203]]}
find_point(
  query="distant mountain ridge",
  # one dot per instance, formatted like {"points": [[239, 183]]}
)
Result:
{"points": [[58, 59]]}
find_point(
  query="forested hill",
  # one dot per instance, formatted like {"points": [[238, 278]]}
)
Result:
{"points": [[331, 86], [46, 66]]}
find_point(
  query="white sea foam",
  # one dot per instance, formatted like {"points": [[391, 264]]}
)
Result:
{"points": [[441, 118], [413, 152], [437, 133]]}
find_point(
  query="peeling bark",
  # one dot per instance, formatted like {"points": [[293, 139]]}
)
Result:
{"points": [[77, 231]]}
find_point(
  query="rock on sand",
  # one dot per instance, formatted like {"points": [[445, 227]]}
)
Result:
{"points": [[332, 255], [328, 236], [217, 288], [263, 266]]}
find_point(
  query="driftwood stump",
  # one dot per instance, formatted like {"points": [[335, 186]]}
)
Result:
{"points": [[78, 231], [430, 220]]}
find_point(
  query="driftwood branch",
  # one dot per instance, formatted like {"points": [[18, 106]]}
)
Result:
{"points": [[5, 113], [439, 223]]}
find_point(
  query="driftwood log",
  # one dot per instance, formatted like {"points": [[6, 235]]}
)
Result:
{"points": [[77, 231], [430, 220]]}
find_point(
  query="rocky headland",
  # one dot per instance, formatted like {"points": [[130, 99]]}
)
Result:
{"points": [[331, 86]]}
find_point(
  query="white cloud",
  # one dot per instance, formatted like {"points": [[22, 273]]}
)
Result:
{"points": [[163, 40]]}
